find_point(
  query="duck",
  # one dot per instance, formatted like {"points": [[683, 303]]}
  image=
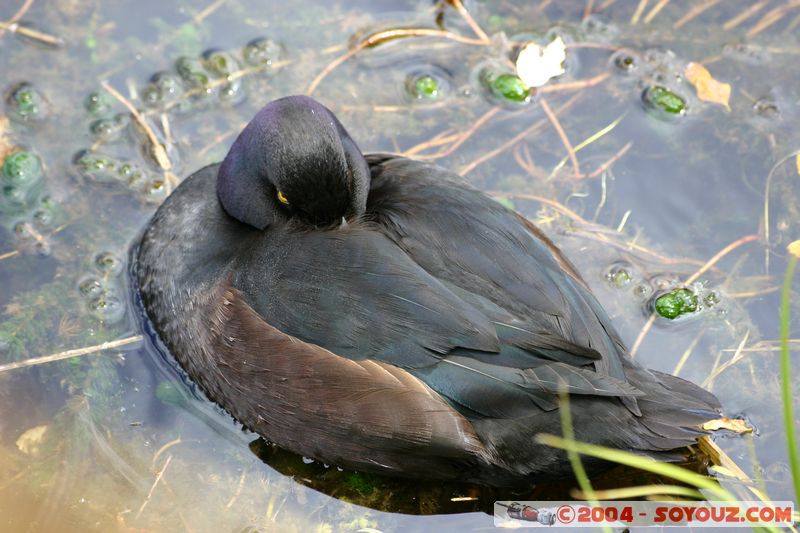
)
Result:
{"points": [[378, 313]]}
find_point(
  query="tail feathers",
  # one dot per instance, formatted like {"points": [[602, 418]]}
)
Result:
{"points": [[688, 389], [673, 409]]}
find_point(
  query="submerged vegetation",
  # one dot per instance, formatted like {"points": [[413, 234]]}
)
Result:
{"points": [[661, 153]]}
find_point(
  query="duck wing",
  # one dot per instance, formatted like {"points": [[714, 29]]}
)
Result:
{"points": [[498, 261], [315, 402]]}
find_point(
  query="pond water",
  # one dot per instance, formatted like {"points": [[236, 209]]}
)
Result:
{"points": [[120, 440]]}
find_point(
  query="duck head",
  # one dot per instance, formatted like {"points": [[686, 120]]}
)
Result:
{"points": [[293, 160]]}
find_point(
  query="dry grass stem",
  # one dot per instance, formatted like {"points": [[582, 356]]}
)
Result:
{"points": [[616, 157], [463, 137], [693, 13], [202, 15], [771, 17], [639, 10], [17, 16], [719, 369], [655, 11], [476, 29], [744, 15], [514, 140], [153, 487], [561, 135], [36, 35], [9, 255], [574, 85]]}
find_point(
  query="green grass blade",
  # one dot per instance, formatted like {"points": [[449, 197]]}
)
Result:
{"points": [[786, 370]]}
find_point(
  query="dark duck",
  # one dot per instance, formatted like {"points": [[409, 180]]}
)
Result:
{"points": [[379, 314]]}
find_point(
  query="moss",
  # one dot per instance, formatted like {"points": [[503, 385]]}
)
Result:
{"points": [[509, 87], [37, 323], [425, 86], [676, 303], [362, 483], [663, 100]]}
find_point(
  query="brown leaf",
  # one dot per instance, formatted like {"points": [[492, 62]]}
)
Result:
{"points": [[736, 425], [794, 248], [708, 89]]}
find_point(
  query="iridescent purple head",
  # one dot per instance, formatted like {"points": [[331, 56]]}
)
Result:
{"points": [[293, 160]]}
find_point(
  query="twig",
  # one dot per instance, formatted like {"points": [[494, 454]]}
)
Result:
{"points": [[562, 135], [70, 353], [605, 5], [17, 16], [443, 137], [744, 15], [30, 32], [719, 255], [765, 346], [708, 264], [159, 151], [158, 148], [380, 37], [655, 11], [9, 255], [574, 85], [164, 448], [616, 157], [542, 6], [586, 142], [153, 487], [469, 167], [752, 294], [587, 10], [463, 137], [476, 29], [720, 458], [558, 206], [522, 155], [693, 13]]}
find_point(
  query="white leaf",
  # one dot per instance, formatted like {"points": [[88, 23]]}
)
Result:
{"points": [[537, 65]]}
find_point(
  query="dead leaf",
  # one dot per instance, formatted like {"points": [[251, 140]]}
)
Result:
{"points": [[28, 443], [794, 248], [708, 89], [537, 65], [736, 425]]}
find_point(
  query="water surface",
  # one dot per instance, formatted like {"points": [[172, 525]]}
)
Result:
{"points": [[121, 440]]}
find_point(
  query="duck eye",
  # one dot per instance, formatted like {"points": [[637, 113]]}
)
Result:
{"points": [[283, 198]]}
